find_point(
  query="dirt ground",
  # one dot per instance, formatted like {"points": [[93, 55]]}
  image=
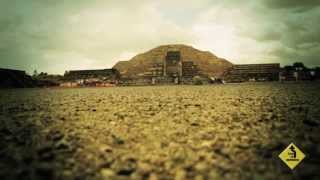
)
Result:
{"points": [[231, 131]]}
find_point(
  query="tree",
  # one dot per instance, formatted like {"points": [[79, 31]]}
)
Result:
{"points": [[288, 68], [35, 73], [299, 66]]}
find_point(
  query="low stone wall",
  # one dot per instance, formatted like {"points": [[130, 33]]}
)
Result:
{"points": [[165, 80]]}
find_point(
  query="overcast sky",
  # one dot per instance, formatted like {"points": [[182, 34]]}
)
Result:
{"points": [[54, 36]]}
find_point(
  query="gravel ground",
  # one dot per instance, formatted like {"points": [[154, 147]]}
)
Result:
{"points": [[167, 132]]}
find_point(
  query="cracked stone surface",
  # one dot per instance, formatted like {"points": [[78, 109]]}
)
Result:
{"points": [[231, 131]]}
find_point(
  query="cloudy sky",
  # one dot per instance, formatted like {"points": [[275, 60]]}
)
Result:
{"points": [[54, 36]]}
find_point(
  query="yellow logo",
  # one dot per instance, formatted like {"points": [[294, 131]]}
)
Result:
{"points": [[292, 156]]}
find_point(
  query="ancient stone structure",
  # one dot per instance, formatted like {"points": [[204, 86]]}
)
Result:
{"points": [[253, 72], [171, 70], [173, 64], [177, 64], [100, 77], [189, 69]]}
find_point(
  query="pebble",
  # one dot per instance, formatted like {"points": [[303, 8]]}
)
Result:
{"points": [[153, 176], [180, 175], [144, 168], [107, 173], [201, 167]]}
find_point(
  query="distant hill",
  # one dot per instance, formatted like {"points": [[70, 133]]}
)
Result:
{"points": [[207, 62]]}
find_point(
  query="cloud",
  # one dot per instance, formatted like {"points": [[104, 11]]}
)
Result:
{"points": [[297, 4], [56, 36], [88, 32]]}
